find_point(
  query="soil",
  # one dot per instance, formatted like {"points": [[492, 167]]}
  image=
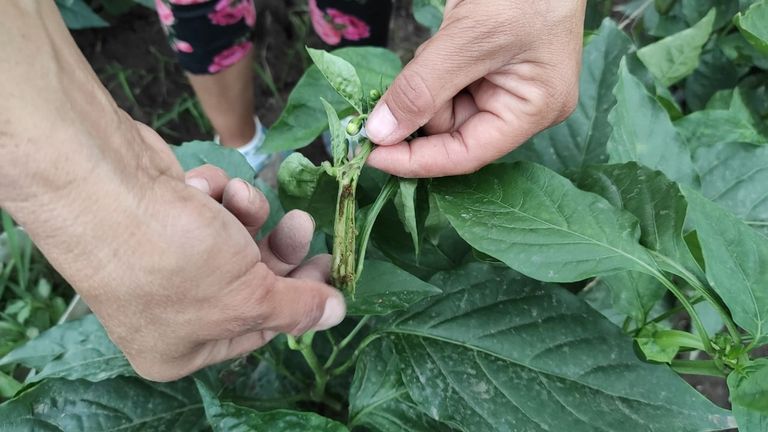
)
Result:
{"points": [[136, 65]]}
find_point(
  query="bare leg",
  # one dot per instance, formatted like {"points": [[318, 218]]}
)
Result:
{"points": [[227, 99]]}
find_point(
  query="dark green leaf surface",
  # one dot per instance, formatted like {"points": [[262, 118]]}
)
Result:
{"points": [[633, 293], [384, 288], [538, 223], [754, 25], [303, 118], [581, 139], [339, 147], [677, 56], [749, 396], [379, 400], [653, 199], [489, 356], [228, 417], [196, 153], [429, 13], [341, 75], [735, 175], [715, 72], [659, 147], [710, 127], [736, 258], [304, 186], [75, 350], [118, 404], [405, 201], [78, 15]]}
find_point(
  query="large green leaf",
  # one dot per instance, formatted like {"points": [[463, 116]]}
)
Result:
{"points": [[710, 127], [754, 25], [406, 202], [500, 352], [118, 404], [304, 118], [304, 186], [677, 56], [538, 223], [196, 153], [632, 294], [735, 176], [78, 15], [654, 200], [749, 396], [228, 417], [341, 75], [736, 259], [695, 10], [658, 147], [715, 72], [581, 139], [75, 350], [429, 13], [384, 287], [378, 398]]}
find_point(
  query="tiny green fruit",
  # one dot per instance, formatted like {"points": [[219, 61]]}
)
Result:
{"points": [[354, 126]]}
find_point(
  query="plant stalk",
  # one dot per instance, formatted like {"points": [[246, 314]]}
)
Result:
{"points": [[343, 272]]}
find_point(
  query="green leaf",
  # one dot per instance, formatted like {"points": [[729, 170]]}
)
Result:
{"points": [[677, 56], [659, 147], [749, 396], [710, 127], [303, 118], [734, 175], [339, 147], [656, 202], [429, 13], [715, 72], [749, 386], [633, 294], [754, 25], [405, 202], [539, 224], [502, 352], [196, 153], [736, 259], [581, 139], [77, 349], [228, 417], [341, 75], [653, 348], [378, 398], [77, 15], [302, 185], [117, 404], [8, 386], [695, 10], [384, 288]]}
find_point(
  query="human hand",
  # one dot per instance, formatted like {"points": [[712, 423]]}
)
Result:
{"points": [[496, 73]]}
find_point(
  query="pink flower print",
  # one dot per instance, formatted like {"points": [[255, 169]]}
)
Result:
{"points": [[164, 12], [352, 28], [181, 46], [227, 12], [248, 9], [327, 32], [229, 56], [333, 25]]}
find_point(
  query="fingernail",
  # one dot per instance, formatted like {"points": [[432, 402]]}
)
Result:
{"points": [[381, 123], [200, 184], [333, 315]]}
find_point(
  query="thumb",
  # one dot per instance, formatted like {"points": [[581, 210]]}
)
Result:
{"points": [[441, 69]]}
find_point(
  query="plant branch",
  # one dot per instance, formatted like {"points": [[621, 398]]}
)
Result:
{"points": [[351, 362], [340, 347], [387, 192], [695, 319], [697, 367]]}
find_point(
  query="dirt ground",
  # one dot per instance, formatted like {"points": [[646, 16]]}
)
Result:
{"points": [[134, 62]]}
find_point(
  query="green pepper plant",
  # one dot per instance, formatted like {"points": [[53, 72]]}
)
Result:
{"points": [[575, 284]]}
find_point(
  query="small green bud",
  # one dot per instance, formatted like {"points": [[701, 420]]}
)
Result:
{"points": [[374, 95], [354, 126]]}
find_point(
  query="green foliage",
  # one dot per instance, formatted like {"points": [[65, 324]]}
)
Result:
{"points": [[78, 14], [429, 13]]}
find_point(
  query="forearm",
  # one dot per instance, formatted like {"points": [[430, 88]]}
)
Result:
{"points": [[59, 128]]}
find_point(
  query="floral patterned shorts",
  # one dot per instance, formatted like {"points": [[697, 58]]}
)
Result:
{"points": [[211, 35]]}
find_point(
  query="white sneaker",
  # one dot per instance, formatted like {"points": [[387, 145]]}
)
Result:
{"points": [[252, 150]]}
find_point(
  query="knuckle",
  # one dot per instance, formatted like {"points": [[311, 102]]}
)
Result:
{"points": [[411, 96], [312, 311]]}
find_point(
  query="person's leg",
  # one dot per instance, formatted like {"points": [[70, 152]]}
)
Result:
{"points": [[351, 22], [212, 42]]}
